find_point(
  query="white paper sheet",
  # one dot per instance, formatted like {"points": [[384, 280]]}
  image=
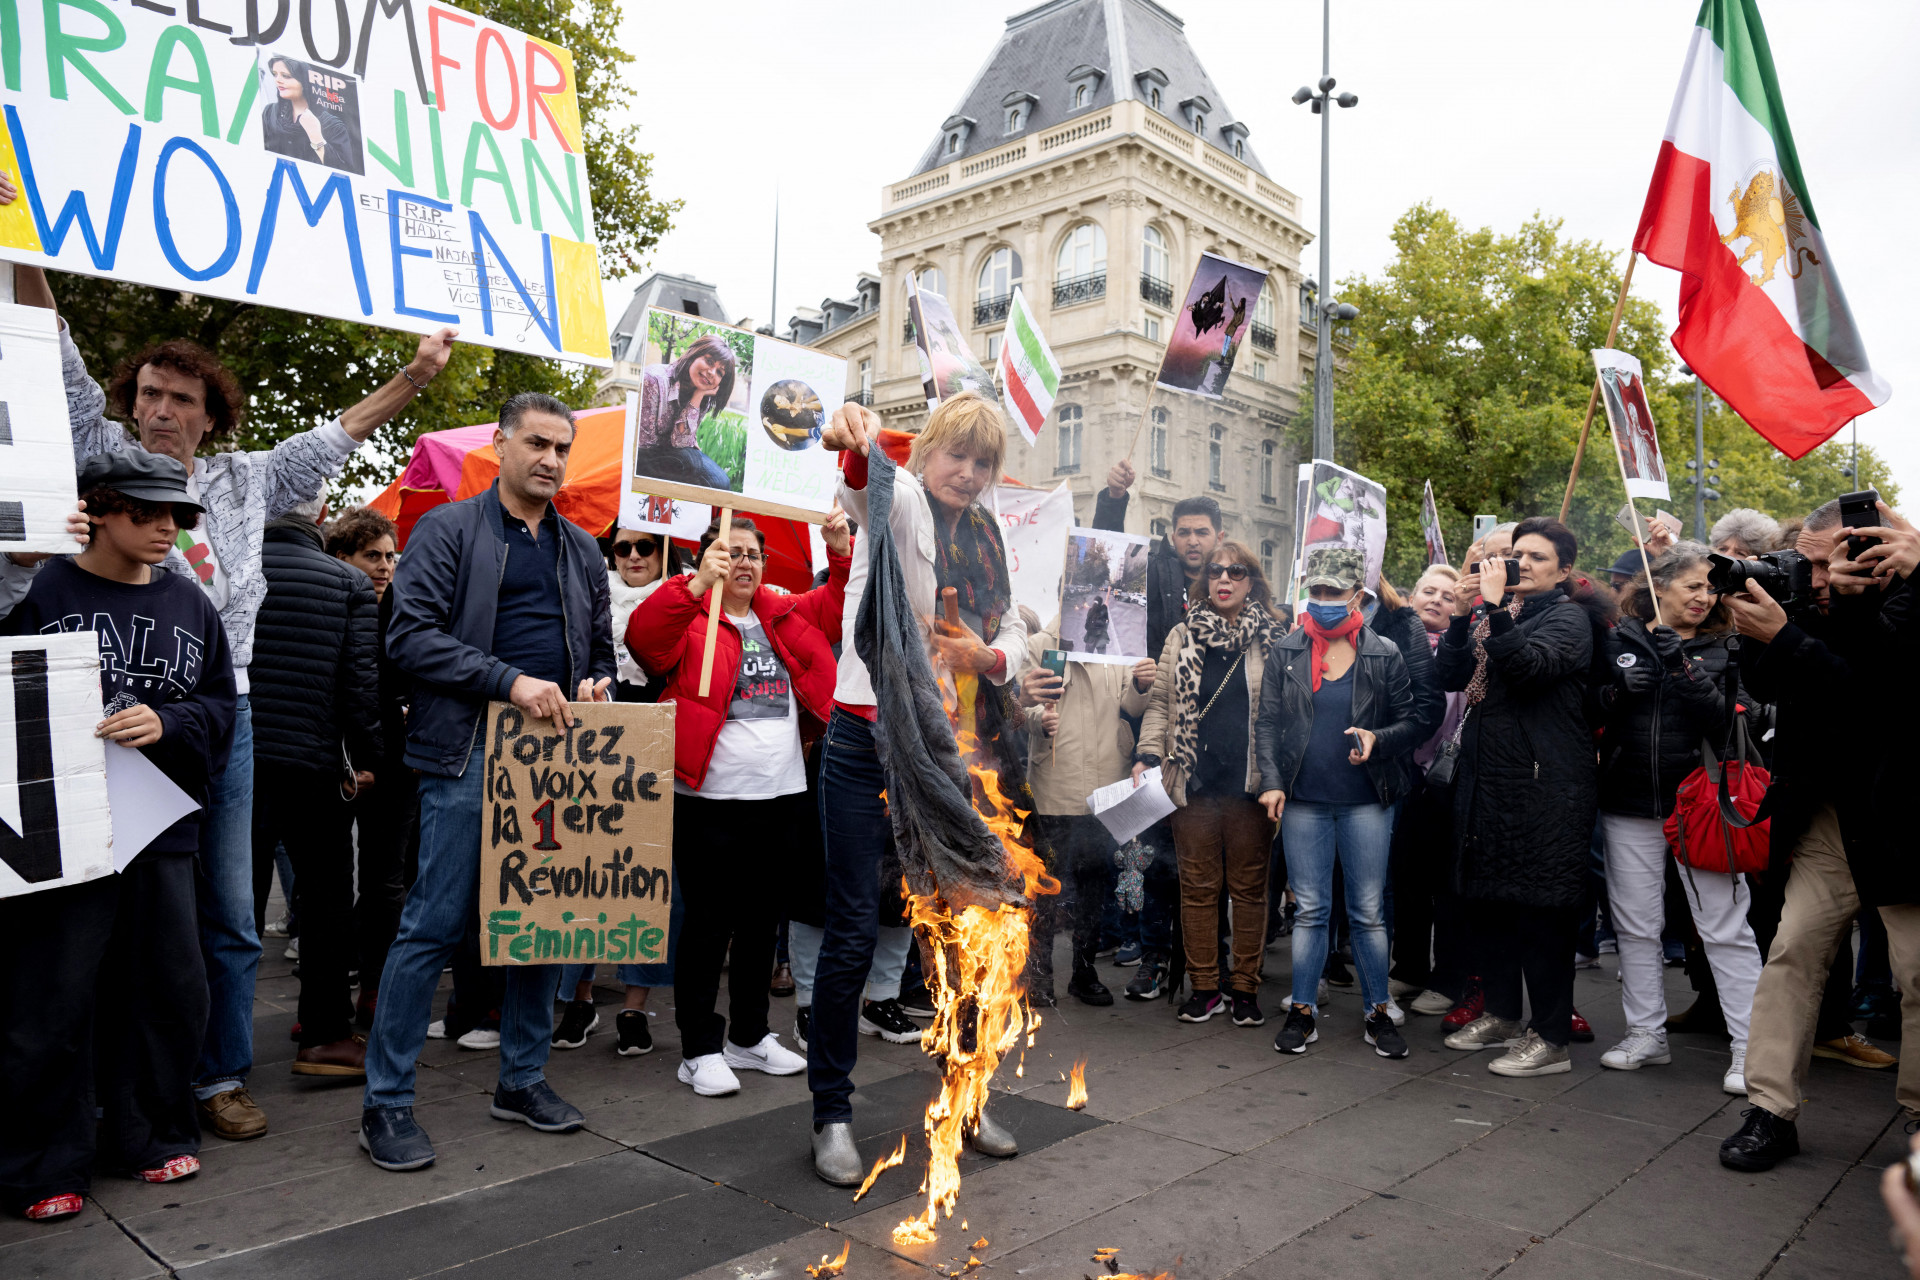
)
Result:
{"points": [[1126, 810], [53, 788], [143, 800]]}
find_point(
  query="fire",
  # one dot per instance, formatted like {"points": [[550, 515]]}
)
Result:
{"points": [[979, 962], [1077, 1087], [827, 1269], [1110, 1259], [881, 1165]]}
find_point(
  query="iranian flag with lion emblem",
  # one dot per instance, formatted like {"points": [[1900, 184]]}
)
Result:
{"points": [[1762, 317]]}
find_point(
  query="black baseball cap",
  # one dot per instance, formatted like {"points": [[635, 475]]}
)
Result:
{"points": [[150, 477], [1630, 562]]}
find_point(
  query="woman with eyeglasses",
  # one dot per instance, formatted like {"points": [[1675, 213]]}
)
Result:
{"points": [[1200, 731], [740, 780]]}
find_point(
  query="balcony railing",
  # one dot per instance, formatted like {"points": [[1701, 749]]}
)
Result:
{"points": [[992, 310], [1264, 337], [1087, 288], [860, 397], [1158, 292]]}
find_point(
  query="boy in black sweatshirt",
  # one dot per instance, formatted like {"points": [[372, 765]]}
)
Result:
{"points": [[114, 963]]}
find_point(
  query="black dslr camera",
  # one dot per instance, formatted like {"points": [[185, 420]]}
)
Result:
{"points": [[1787, 576]]}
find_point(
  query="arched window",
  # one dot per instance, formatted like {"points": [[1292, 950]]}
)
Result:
{"points": [[1199, 122], [1268, 452], [998, 274], [1239, 149], [1079, 95], [1216, 456], [953, 144], [932, 280], [1154, 259], [1069, 424], [1082, 253], [1263, 306], [1153, 99], [1016, 119], [1157, 444]]}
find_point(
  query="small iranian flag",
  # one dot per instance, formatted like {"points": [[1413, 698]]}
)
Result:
{"points": [[1029, 375], [1762, 317]]}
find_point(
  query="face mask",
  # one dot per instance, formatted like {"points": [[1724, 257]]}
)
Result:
{"points": [[1328, 616]]}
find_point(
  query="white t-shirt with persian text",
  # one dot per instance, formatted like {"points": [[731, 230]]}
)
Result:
{"points": [[757, 756]]}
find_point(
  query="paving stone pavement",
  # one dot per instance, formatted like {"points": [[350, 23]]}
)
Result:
{"points": [[1201, 1151]]}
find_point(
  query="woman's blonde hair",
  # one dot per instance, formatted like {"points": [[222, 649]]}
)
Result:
{"points": [[1230, 552], [968, 422]]}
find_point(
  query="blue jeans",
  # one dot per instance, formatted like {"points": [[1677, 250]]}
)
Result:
{"points": [[857, 833], [1360, 837], [229, 943], [657, 974], [444, 903]]}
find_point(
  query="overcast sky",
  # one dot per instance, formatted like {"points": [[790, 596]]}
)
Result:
{"points": [[1492, 109]]}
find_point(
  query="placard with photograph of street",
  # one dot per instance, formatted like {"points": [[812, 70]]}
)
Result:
{"points": [[1103, 608]]}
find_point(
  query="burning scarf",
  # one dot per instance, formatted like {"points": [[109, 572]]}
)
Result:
{"points": [[1251, 634], [1320, 639], [973, 561]]}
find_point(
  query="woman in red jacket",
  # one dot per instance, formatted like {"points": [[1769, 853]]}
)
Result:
{"points": [[739, 778]]}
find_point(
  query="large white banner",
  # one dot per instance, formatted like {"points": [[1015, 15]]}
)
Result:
{"points": [[54, 828], [1034, 524], [400, 162], [36, 442]]}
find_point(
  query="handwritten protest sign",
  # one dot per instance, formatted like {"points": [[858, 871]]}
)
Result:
{"points": [[54, 828], [576, 841], [406, 164], [733, 418], [36, 444], [1033, 525]]}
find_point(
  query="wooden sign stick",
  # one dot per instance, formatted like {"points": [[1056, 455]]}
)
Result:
{"points": [[1641, 532], [1151, 388], [713, 607], [1593, 398]]}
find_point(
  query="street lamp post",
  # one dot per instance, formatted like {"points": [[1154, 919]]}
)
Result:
{"points": [[1700, 465], [1327, 311]]}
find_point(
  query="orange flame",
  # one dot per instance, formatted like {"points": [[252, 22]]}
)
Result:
{"points": [[1110, 1259], [1077, 1087], [979, 962], [828, 1269], [881, 1165]]}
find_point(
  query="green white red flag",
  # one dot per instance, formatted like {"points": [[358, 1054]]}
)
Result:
{"points": [[1762, 318], [1029, 375]]}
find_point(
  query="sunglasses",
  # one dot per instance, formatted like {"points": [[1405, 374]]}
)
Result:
{"points": [[644, 547], [1237, 572]]}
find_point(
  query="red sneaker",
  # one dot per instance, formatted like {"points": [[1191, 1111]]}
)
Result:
{"points": [[64, 1206], [172, 1171], [293, 1033], [1472, 1006], [1582, 1029]]}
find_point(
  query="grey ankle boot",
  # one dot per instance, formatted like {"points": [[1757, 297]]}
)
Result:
{"points": [[990, 1139], [835, 1158]]}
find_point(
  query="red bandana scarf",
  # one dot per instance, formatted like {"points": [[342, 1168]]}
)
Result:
{"points": [[1321, 638]]}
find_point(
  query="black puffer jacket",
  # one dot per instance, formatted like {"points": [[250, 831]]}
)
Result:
{"points": [[314, 683], [1524, 791], [1382, 701], [1409, 635], [1650, 741]]}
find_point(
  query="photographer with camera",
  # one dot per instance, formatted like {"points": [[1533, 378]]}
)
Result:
{"points": [[1824, 624], [1662, 697]]}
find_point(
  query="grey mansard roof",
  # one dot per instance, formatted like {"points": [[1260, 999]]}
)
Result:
{"points": [[1123, 40], [673, 292]]}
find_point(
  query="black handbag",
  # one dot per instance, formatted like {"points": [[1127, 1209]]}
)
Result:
{"points": [[1440, 773]]}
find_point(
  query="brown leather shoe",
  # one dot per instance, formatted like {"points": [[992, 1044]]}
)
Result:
{"points": [[341, 1058], [782, 981], [233, 1115]]}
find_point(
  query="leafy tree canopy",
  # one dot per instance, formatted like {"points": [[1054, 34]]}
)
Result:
{"points": [[300, 370], [1470, 365]]}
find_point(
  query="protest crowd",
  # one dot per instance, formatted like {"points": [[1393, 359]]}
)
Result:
{"points": [[1442, 797]]}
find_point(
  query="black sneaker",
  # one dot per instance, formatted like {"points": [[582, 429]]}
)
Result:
{"points": [[886, 1019], [1338, 975], [1298, 1033], [1246, 1010], [1087, 988], [916, 1001], [802, 1024], [576, 1025], [1150, 979], [1764, 1140], [636, 1038], [1384, 1036], [1201, 1006]]}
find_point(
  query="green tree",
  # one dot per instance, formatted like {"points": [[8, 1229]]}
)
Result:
{"points": [[1470, 365], [299, 370]]}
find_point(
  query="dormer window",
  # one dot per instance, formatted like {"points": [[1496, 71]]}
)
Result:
{"points": [[1199, 123], [1018, 106], [1236, 139], [1153, 99], [1149, 84], [953, 143], [956, 130], [1080, 95], [1196, 110], [1082, 82], [1239, 149]]}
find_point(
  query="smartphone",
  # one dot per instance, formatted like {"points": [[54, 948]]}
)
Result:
{"points": [[1484, 525], [1054, 660], [1857, 511], [1667, 519]]}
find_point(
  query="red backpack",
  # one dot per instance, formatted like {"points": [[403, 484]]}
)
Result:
{"points": [[1718, 823]]}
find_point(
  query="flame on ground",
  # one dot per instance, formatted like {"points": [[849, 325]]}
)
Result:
{"points": [[979, 962], [1110, 1259], [1077, 1086], [827, 1269], [881, 1165]]}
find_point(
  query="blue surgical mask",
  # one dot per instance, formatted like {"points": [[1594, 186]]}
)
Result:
{"points": [[1328, 616]]}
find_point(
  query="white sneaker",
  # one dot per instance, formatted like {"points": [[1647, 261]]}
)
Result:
{"points": [[709, 1075], [293, 949], [1642, 1046], [1432, 1003], [769, 1056], [1395, 1012], [437, 1029], [1735, 1081], [479, 1038]]}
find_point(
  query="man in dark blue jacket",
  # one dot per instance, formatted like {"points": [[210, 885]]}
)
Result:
{"points": [[496, 599]]}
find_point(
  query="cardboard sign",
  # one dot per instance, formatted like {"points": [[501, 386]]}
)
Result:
{"points": [[1213, 322], [36, 441], [733, 418], [576, 835], [54, 825], [1636, 443], [1103, 603], [1033, 525], [408, 164]]}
